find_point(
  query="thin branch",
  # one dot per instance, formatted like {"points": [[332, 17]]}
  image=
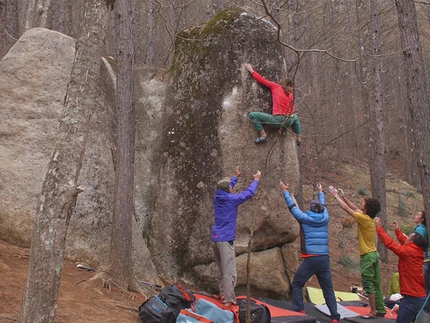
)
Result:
{"points": [[7, 33], [297, 50]]}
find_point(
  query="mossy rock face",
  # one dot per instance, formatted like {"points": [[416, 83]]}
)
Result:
{"points": [[207, 134]]}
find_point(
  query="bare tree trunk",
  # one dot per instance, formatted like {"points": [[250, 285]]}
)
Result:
{"points": [[29, 14], [45, 10], [410, 156], [60, 188], [417, 91], [121, 244], [377, 140], [22, 15], [213, 7], [351, 99], [150, 28], [37, 13], [65, 21], [9, 25], [337, 81], [293, 38]]}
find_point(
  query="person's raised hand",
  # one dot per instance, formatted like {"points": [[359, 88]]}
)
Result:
{"points": [[257, 175], [378, 222], [341, 192], [395, 225], [238, 173], [319, 187], [248, 67], [332, 190], [283, 186]]}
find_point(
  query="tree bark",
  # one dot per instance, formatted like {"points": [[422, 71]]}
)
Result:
{"points": [[120, 262], [60, 188], [417, 91], [377, 140], [65, 21], [150, 31], [334, 11], [37, 13], [9, 25]]}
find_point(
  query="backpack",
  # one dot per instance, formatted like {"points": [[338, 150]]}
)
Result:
{"points": [[213, 312], [259, 312], [188, 316], [154, 310], [177, 298], [207, 312]]}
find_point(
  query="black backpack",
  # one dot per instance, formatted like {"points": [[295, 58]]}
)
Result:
{"points": [[165, 307], [154, 310], [259, 312], [177, 298]]}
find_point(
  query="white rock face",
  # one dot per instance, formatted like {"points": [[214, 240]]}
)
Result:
{"points": [[34, 77]]}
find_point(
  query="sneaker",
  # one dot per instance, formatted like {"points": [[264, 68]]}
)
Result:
{"points": [[260, 140], [369, 316]]}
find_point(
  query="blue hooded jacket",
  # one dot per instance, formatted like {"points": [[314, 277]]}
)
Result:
{"points": [[225, 209], [313, 227]]}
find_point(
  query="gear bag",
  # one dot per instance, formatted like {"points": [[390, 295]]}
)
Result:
{"points": [[259, 312], [177, 298], [154, 310], [165, 307]]}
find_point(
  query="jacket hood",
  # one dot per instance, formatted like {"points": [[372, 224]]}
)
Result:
{"points": [[318, 218]]}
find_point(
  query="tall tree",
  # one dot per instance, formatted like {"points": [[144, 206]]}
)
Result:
{"points": [[377, 133], [65, 18], [120, 262], [60, 188], [38, 13], [363, 72], [417, 91], [9, 27], [150, 31], [334, 13]]}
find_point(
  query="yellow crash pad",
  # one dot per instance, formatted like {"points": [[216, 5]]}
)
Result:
{"points": [[316, 296]]}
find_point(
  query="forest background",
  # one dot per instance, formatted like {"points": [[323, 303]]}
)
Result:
{"points": [[359, 68]]}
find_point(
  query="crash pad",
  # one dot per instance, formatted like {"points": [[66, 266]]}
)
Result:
{"points": [[315, 296]]}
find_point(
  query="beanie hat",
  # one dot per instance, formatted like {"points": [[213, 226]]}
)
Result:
{"points": [[316, 206], [224, 185]]}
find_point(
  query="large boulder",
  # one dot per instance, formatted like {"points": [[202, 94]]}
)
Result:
{"points": [[35, 74], [206, 134]]}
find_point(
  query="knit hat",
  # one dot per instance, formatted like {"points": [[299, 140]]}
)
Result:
{"points": [[224, 185], [316, 206]]}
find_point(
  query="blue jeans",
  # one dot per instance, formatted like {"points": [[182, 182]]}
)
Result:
{"points": [[426, 272], [319, 266], [409, 308]]}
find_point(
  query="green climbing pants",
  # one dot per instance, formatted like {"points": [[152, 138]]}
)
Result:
{"points": [[258, 119]]}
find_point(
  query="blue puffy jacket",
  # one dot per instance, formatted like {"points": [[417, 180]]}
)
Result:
{"points": [[225, 209], [313, 227]]}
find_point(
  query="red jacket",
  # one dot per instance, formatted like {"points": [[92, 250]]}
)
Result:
{"points": [[282, 103], [410, 266]]}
